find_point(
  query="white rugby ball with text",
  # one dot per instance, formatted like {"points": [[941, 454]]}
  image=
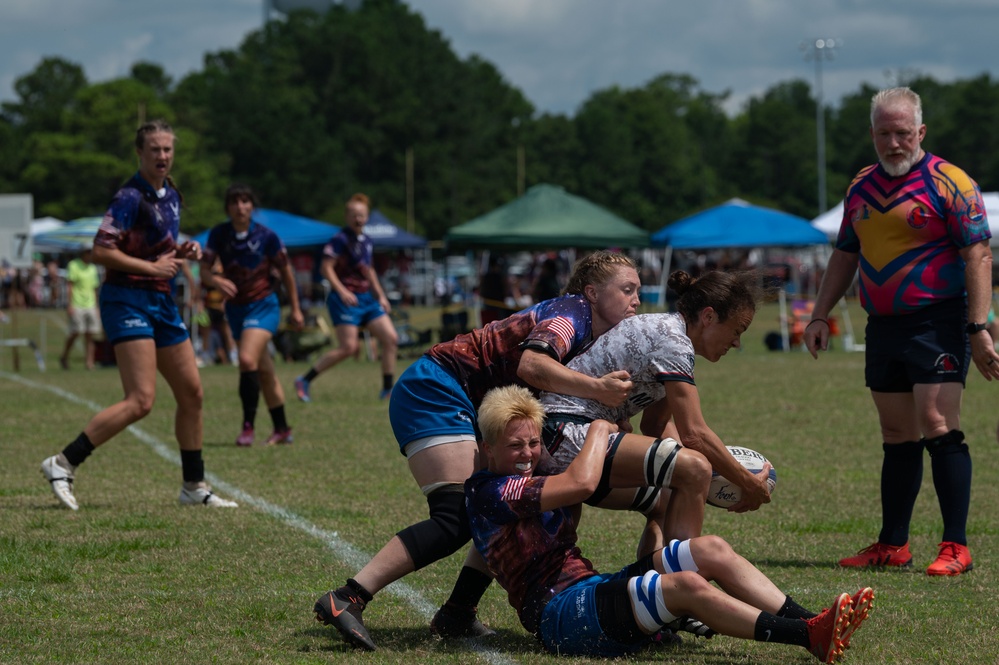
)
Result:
{"points": [[723, 493]]}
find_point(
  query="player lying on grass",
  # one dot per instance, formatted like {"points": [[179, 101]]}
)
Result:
{"points": [[522, 525]]}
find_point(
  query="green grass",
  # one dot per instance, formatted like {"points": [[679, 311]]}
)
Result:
{"points": [[134, 577]]}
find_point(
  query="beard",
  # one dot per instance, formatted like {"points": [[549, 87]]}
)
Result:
{"points": [[902, 164]]}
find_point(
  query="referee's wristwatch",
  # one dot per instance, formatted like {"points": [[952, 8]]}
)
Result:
{"points": [[973, 328]]}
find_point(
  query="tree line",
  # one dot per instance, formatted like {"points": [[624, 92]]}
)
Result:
{"points": [[311, 109]]}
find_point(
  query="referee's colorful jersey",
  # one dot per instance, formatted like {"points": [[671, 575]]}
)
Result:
{"points": [[909, 231]]}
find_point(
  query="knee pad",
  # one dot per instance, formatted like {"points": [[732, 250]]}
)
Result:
{"points": [[647, 599], [660, 459], [646, 500], [676, 557], [947, 444], [444, 533]]}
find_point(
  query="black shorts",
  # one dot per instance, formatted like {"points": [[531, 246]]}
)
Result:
{"points": [[928, 346]]}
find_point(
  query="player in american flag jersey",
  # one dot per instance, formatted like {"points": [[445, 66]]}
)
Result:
{"points": [[657, 351], [356, 299], [523, 524], [247, 252], [916, 228], [433, 414], [137, 245]]}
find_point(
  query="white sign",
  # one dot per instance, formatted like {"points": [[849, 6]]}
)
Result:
{"points": [[16, 213]]}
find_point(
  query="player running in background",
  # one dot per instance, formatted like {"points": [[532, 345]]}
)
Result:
{"points": [[356, 299], [248, 252]]}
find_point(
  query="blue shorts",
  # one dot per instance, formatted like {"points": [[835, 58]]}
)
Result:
{"points": [[140, 313], [569, 623], [264, 313], [927, 346], [428, 401], [366, 309]]}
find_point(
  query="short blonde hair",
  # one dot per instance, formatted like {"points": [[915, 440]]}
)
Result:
{"points": [[502, 406]]}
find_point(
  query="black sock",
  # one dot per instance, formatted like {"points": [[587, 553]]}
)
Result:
{"points": [[792, 610], [469, 587], [193, 466], [770, 628], [387, 381], [249, 394], [951, 465], [901, 476], [311, 374], [79, 450], [278, 418], [353, 589]]}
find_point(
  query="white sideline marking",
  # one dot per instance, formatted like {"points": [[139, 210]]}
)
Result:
{"points": [[346, 552]]}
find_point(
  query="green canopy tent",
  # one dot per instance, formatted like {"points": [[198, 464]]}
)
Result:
{"points": [[546, 217]]}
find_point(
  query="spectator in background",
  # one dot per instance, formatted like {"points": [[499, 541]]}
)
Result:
{"points": [[83, 283], [915, 225], [546, 284], [496, 289]]}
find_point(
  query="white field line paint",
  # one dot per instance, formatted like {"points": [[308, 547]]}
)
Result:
{"points": [[345, 551]]}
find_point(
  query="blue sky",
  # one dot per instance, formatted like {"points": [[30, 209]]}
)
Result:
{"points": [[557, 52]]}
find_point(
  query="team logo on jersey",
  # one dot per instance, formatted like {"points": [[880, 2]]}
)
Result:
{"points": [[975, 212], [946, 363], [863, 212], [917, 217]]}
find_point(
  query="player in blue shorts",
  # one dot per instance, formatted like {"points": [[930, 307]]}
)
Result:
{"points": [[523, 524], [433, 414], [356, 299], [248, 253], [137, 245]]}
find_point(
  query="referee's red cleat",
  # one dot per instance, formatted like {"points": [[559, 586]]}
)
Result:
{"points": [[880, 555], [954, 559]]}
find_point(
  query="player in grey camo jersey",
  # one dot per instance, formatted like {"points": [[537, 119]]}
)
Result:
{"points": [[658, 351]]}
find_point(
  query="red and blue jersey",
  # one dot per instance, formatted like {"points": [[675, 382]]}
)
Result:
{"points": [[488, 357], [350, 253], [909, 232], [247, 259], [532, 553], [142, 223]]}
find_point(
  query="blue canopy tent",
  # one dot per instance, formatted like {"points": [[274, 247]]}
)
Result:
{"points": [[72, 236], [737, 223], [386, 235]]}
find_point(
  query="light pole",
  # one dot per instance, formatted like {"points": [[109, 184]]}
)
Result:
{"points": [[819, 50]]}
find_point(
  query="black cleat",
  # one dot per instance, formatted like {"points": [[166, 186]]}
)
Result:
{"points": [[688, 624], [454, 622], [343, 611]]}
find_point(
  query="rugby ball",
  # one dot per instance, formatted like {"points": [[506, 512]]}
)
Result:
{"points": [[723, 493]]}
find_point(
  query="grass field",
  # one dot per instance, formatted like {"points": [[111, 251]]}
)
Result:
{"points": [[133, 577]]}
